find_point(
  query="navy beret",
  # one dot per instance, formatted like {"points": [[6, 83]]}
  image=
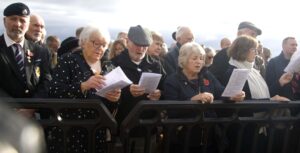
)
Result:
{"points": [[139, 36], [19, 9], [249, 25]]}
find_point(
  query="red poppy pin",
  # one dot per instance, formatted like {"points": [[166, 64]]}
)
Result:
{"points": [[206, 82]]}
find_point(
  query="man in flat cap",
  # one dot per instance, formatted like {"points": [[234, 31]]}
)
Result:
{"points": [[23, 65], [134, 61], [221, 60]]}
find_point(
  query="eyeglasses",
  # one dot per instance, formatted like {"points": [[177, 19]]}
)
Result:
{"points": [[97, 45], [209, 57]]}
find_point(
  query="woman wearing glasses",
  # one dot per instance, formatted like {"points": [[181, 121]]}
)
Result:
{"points": [[242, 55], [79, 74]]}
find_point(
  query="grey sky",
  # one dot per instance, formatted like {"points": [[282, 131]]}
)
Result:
{"points": [[211, 20]]}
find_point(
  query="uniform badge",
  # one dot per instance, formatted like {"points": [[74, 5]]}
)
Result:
{"points": [[24, 12], [29, 55], [38, 72]]}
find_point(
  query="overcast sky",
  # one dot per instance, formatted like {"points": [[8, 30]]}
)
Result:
{"points": [[210, 19]]}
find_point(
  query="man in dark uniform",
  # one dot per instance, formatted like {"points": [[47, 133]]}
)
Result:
{"points": [[24, 67]]}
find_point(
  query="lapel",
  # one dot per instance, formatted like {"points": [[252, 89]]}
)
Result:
{"points": [[8, 58], [28, 62]]}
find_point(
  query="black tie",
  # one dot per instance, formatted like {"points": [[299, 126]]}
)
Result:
{"points": [[19, 59]]}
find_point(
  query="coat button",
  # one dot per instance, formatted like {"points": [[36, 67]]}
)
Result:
{"points": [[26, 91]]}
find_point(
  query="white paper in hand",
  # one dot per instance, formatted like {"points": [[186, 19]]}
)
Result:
{"points": [[114, 80], [236, 82], [294, 64], [149, 81]]}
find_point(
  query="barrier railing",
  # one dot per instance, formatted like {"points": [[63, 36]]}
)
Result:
{"points": [[250, 126], [167, 126], [72, 126]]}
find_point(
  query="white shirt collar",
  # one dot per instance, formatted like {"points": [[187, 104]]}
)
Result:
{"points": [[10, 42]]}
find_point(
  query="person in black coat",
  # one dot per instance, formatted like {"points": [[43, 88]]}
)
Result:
{"points": [[134, 61], [183, 35], [29, 75], [78, 74], [275, 70], [193, 82], [242, 55]]}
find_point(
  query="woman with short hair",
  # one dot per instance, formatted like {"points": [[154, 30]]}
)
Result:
{"points": [[79, 74], [194, 82], [242, 53]]}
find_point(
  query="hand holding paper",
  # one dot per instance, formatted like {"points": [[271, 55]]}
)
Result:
{"points": [[236, 82], [149, 81], [116, 79], [294, 64]]}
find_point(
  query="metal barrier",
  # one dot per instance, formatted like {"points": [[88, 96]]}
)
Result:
{"points": [[167, 126], [219, 127], [71, 125]]}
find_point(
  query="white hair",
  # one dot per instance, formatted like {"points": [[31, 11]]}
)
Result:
{"points": [[182, 30], [89, 30], [187, 50]]}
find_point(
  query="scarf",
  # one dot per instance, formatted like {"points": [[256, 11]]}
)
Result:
{"points": [[257, 84]]}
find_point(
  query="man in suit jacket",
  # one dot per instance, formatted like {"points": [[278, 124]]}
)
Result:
{"points": [[37, 76]]}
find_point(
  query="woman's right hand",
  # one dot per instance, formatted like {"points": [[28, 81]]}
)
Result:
{"points": [[204, 97], [94, 82], [239, 97], [285, 79]]}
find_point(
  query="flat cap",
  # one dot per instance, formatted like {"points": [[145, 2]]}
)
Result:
{"points": [[139, 36], [249, 25], [19, 9]]}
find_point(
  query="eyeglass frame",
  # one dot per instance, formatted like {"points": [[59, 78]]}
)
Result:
{"points": [[97, 45]]}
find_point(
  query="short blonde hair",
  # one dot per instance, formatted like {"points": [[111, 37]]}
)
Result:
{"points": [[187, 50]]}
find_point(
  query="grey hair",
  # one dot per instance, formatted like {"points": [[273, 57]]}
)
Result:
{"points": [[187, 50], [182, 30], [89, 30]]}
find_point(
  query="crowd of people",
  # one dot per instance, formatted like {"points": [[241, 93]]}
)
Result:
{"points": [[35, 65]]}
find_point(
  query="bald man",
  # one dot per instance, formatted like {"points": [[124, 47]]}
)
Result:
{"points": [[36, 29], [225, 43], [183, 35]]}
